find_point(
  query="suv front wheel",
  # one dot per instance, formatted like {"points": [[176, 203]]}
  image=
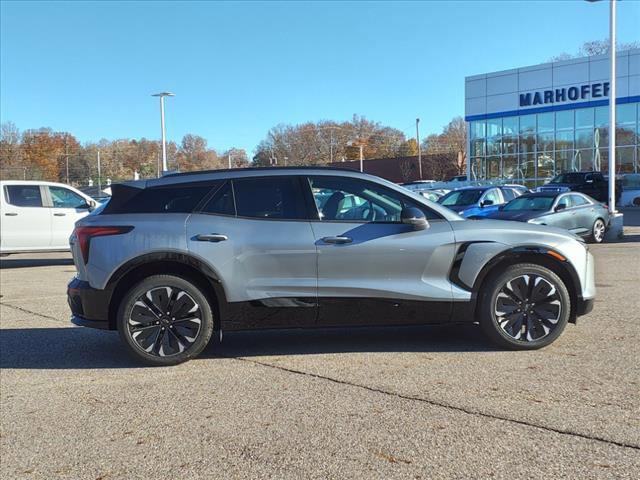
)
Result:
{"points": [[525, 307], [165, 320]]}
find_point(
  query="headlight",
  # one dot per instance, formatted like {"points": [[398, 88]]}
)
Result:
{"points": [[533, 220]]}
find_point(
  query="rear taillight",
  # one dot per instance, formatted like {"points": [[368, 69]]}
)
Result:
{"points": [[85, 234]]}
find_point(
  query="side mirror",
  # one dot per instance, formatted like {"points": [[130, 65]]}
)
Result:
{"points": [[415, 217], [486, 203], [91, 205], [560, 206]]}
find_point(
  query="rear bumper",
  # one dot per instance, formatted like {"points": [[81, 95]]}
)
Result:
{"points": [[89, 306], [584, 306]]}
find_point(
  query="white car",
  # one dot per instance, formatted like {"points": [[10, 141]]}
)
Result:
{"points": [[39, 216]]}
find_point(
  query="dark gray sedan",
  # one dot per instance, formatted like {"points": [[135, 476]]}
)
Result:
{"points": [[573, 211]]}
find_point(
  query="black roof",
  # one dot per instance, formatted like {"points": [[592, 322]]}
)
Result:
{"points": [[250, 169]]}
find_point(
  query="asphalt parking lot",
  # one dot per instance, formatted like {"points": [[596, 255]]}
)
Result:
{"points": [[340, 403]]}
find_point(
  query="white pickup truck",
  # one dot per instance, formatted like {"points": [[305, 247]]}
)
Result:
{"points": [[39, 216]]}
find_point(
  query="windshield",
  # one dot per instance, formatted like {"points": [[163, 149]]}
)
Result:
{"points": [[567, 178], [461, 197], [530, 203]]}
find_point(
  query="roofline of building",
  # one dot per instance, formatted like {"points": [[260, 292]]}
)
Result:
{"points": [[540, 66]]}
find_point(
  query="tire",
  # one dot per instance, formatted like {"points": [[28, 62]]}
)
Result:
{"points": [[165, 339], [598, 231], [512, 290]]}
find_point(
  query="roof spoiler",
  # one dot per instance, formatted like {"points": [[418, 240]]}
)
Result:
{"points": [[121, 193]]}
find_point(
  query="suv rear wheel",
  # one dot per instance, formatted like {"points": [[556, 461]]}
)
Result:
{"points": [[165, 320], [525, 307]]}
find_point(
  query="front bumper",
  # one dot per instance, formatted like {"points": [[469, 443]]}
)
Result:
{"points": [[89, 306]]}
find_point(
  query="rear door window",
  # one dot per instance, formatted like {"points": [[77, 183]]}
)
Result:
{"points": [[222, 202], [23, 195], [279, 198]]}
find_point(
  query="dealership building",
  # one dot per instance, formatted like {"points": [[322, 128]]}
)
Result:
{"points": [[529, 123]]}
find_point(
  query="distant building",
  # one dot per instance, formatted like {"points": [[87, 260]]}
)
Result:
{"points": [[405, 169], [530, 123]]}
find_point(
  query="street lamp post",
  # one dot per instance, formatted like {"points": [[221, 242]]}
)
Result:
{"points": [[612, 104], [164, 137], [612, 107]]}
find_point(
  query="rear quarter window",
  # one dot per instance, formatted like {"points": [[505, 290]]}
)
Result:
{"points": [[175, 198]]}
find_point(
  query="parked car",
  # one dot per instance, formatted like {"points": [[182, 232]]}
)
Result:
{"points": [[475, 202], [571, 211], [593, 184], [39, 216], [433, 195], [519, 189], [458, 178], [168, 261]]}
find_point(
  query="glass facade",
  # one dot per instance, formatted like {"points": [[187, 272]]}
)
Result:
{"points": [[532, 148]]}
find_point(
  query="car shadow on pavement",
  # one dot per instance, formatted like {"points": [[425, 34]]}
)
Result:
{"points": [[83, 348], [450, 338], [34, 262], [62, 348]]}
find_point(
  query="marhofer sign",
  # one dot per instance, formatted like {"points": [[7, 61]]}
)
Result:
{"points": [[571, 94]]}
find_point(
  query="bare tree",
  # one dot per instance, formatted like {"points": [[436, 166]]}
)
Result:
{"points": [[320, 143], [452, 142], [406, 168], [595, 47]]}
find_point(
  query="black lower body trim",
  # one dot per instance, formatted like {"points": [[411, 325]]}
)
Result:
{"points": [[333, 312], [88, 304], [584, 306], [337, 311], [83, 322]]}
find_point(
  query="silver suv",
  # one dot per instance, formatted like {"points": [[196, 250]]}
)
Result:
{"points": [[168, 261]]}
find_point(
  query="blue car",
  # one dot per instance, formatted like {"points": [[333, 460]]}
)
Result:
{"points": [[478, 202]]}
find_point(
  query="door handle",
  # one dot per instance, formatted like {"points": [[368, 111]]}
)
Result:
{"points": [[337, 240], [11, 214], [213, 237], [59, 214]]}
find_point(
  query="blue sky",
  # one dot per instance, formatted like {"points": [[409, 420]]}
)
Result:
{"points": [[240, 68]]}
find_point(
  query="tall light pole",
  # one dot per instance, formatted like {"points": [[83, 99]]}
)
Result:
{"points": [[419, 149], [612, 104], [99, 175], [164, 137]]}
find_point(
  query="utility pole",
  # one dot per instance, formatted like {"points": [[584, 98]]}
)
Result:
{"points": [[361, 159], [331, 145], [66, 154], [229, 161], [99, 179], [419, 149]]}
